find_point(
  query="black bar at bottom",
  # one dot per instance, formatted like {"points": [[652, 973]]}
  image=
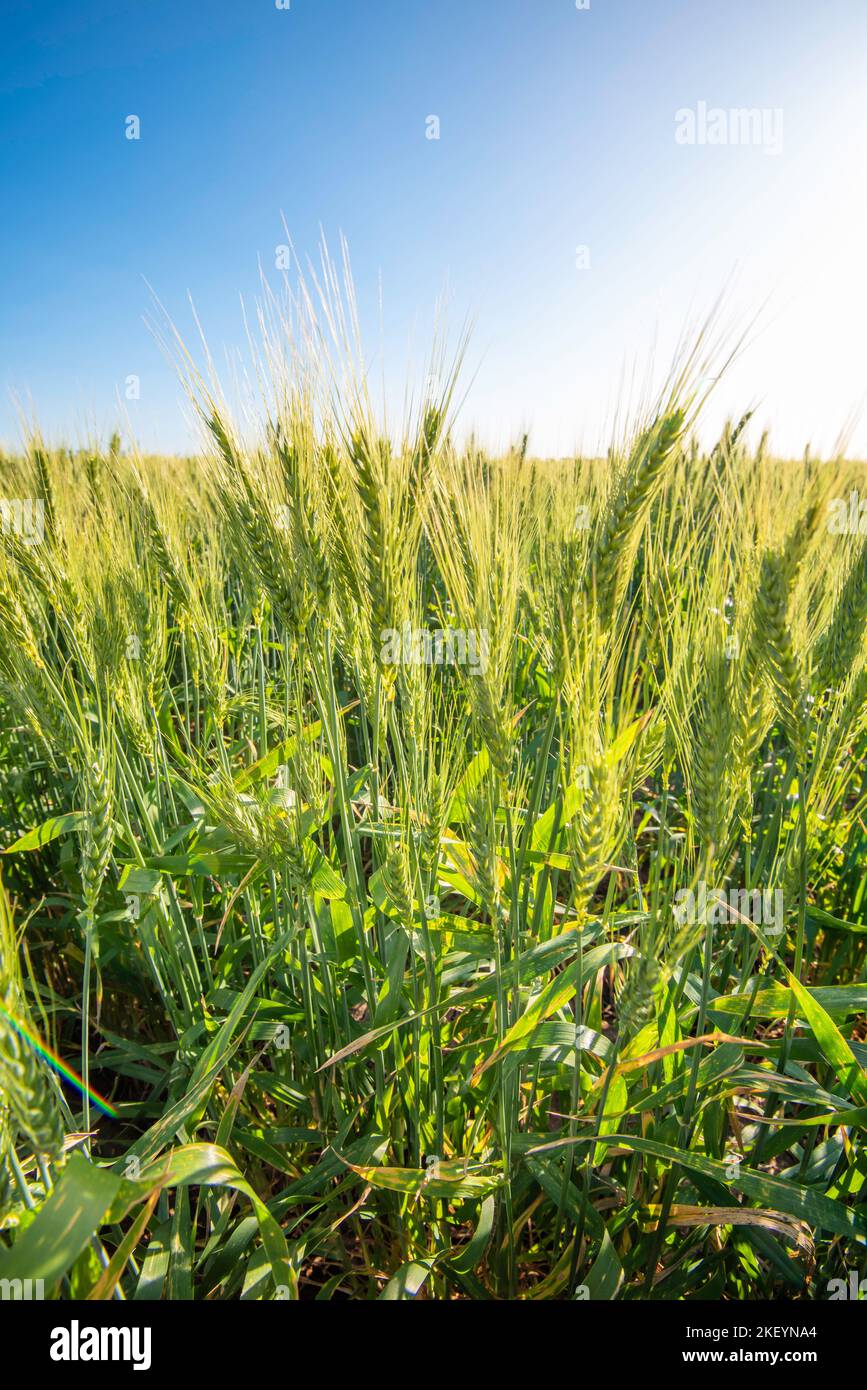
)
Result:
{"points": [[64, 1338]]}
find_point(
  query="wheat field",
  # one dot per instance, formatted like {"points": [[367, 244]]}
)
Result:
{"points": [[443, 873]]}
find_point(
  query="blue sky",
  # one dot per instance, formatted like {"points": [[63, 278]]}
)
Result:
{"points": [[557, 130]]}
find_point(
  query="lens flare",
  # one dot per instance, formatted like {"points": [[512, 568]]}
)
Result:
{"points": [[57, 1063]]}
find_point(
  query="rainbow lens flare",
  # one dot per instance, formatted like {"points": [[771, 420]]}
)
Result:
{"points": [[57, 1063]]}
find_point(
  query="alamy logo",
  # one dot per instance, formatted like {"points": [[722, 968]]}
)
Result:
{"points": [[852, 1288], [452, 646], [847, 516], [76, 1343], [22, 1290], [714, 125], [714, 906], [23, 517]]}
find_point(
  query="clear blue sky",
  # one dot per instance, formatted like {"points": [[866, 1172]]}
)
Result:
{"points": [[557, 130]]}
